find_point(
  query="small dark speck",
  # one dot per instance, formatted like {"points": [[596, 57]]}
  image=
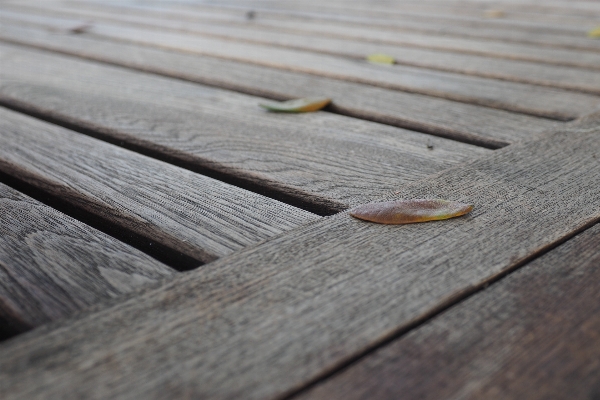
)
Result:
{"points": [[250, 15], [430, 145], [86, 26]]}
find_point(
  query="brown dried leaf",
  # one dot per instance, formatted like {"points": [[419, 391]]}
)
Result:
{"points": [[307, 104], [410, 211]]}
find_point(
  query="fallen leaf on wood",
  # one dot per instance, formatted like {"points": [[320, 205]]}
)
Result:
{"points": [[594, 33], [410, 211], [494, 14], [307, 104], [381, 59]]}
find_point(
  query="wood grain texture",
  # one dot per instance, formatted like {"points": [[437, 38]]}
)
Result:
{"points": [[511, 96], [52, 266], [268, 319], [329, 160], [533, 335], [486, 47], [400, 23], [188, 213], [465, 122], [470, 15], [511, 70]]}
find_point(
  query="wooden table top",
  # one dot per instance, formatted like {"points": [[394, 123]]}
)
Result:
{"points": [[162, 236]]}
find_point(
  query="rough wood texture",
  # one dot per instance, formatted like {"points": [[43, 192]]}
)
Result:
{"points": [[356, 47], [52, 266], [320, 158], [161, 204], [490, 48], [399, 22], [473, 124], [511, 70], [511, 96], [533, 335], [270, 318]]}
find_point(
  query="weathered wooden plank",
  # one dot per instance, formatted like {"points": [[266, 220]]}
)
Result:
{"points": [[153, 202], [270, 318], [394, 11], [319, 159], [511, 96], [52, 266], [532, 335], [511, 13], [512, 70], [473, 124]]}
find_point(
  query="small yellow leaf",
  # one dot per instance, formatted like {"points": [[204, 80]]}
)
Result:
{"points": [[381, 59], [594, 33], [410, 211], [307, 104], [494, 14]]}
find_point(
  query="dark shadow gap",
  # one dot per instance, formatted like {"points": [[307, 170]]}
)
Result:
{"points": [[171, 257], [456, 301]]}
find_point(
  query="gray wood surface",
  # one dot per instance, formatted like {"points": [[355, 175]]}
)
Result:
{"points": [[576, 79], [320, 159], [270, 318], [511, 96], [465, 122], [492, 48], [52, 266], [399, 22], [154, 203], [533, 335]]}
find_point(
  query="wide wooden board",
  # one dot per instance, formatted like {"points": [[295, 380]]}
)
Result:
{"points": [[52, 266], [269, 319], [166, 210], [465, 122], [533, 335], [320, 161], [511, 96]]}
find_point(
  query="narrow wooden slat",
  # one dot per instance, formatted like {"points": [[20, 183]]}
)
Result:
{"points": [[159, 204], [534, 335], [269, 319], [52, 266], [393, 12], [321, 158], [512, 70], [465, 122]]}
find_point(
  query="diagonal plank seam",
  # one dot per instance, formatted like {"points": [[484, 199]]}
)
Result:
{"points": [[458, 299]]}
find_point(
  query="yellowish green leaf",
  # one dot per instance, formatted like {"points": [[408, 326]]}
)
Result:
{"points": [[410, 211], [379, 58], [307, 104], [494, 14], [594, 33]]}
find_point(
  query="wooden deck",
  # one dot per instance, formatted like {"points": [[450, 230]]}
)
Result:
{"points": [[162, 236]]}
